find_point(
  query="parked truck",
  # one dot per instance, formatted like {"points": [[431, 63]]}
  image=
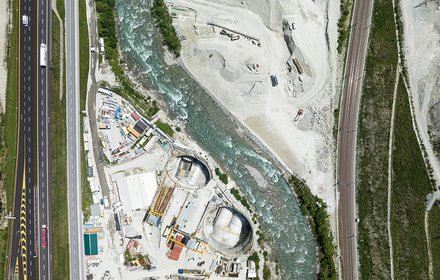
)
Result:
{"points": [[43, 55]]}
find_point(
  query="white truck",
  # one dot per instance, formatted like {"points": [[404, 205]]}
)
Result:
{"points": [[43, 55]]}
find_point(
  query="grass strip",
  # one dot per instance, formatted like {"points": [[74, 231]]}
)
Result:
{"points": [[8, 131], [3, 245], [166, 128], [373, 144], [86, 193], [11, 106], [411, 184], [3, 206], [315, 210], [58, 162], [165, 23], [434, 235], [83, 53]]}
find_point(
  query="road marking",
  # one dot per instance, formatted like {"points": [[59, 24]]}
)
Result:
{"points": [[23, 239], [16, 272]]}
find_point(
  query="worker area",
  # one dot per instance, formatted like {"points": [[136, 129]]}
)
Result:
{"points": [[164, 216]]}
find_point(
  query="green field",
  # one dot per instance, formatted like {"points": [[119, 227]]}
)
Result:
{"points": [[59, 163], [410, 186], [373, 144], [434, 236]]}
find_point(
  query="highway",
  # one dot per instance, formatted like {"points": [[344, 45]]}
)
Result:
{"points": [[45, 265], [73, 141], [31, 205], [22, 263], [346, 155]]}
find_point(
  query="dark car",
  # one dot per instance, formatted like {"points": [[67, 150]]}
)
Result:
{"points": [[274, 80]]}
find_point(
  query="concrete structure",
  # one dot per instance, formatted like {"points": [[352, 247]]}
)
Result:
{"points": [[189, 172], [230, 233]]}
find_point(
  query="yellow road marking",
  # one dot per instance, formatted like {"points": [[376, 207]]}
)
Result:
{"points": [[16, 272], [23, 240], [17, 132]]}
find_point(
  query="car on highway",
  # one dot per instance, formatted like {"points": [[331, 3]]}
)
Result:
{"points": [[25, 20], [44, 236]]}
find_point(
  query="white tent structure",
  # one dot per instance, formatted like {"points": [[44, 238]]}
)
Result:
{"points": [[227, 228], [136, 191]]}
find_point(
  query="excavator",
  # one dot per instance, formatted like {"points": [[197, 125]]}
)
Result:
{"points": [[298, 114]]}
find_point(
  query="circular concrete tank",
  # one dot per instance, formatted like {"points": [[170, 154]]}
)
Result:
{"points": [[229, 232]]}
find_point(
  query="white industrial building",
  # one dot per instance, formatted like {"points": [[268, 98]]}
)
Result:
{"points": [[135, 191]]}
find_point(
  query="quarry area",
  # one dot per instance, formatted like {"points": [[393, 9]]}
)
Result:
{"points": [[421, 21], [272, 64], [166, 216]]}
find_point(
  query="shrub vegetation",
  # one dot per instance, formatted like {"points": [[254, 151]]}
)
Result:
{"points": [[165, 24], [107, 30], [315, 210], [344, 23], [236, 193], [222, 176]]}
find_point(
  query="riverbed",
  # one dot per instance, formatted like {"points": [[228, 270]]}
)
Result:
{"points": [[217, 132]]}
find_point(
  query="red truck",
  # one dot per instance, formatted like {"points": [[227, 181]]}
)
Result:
{"points": [[44, 236]]}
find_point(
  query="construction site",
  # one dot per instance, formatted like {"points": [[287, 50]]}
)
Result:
{"points": [[423, 57], [165, 216], [272, 65], [123, 134]]}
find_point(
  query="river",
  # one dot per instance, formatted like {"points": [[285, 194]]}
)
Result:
{"points": [[282, 222]]}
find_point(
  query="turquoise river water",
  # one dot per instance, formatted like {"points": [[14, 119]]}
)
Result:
{"points": [[289, 236]]}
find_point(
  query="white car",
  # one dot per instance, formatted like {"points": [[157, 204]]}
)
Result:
{"points": [[25, 20]]}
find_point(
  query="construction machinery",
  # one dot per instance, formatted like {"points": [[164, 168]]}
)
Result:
{"points": [[298, 114]]}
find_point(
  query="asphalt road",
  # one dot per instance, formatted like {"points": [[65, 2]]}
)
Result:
{"points": [[45, 265], [91, 100], [347, 137], [73, 141], [22, 263]]}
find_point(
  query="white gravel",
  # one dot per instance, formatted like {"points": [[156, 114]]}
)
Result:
{"points": [[226, 69], [422, 51]]}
